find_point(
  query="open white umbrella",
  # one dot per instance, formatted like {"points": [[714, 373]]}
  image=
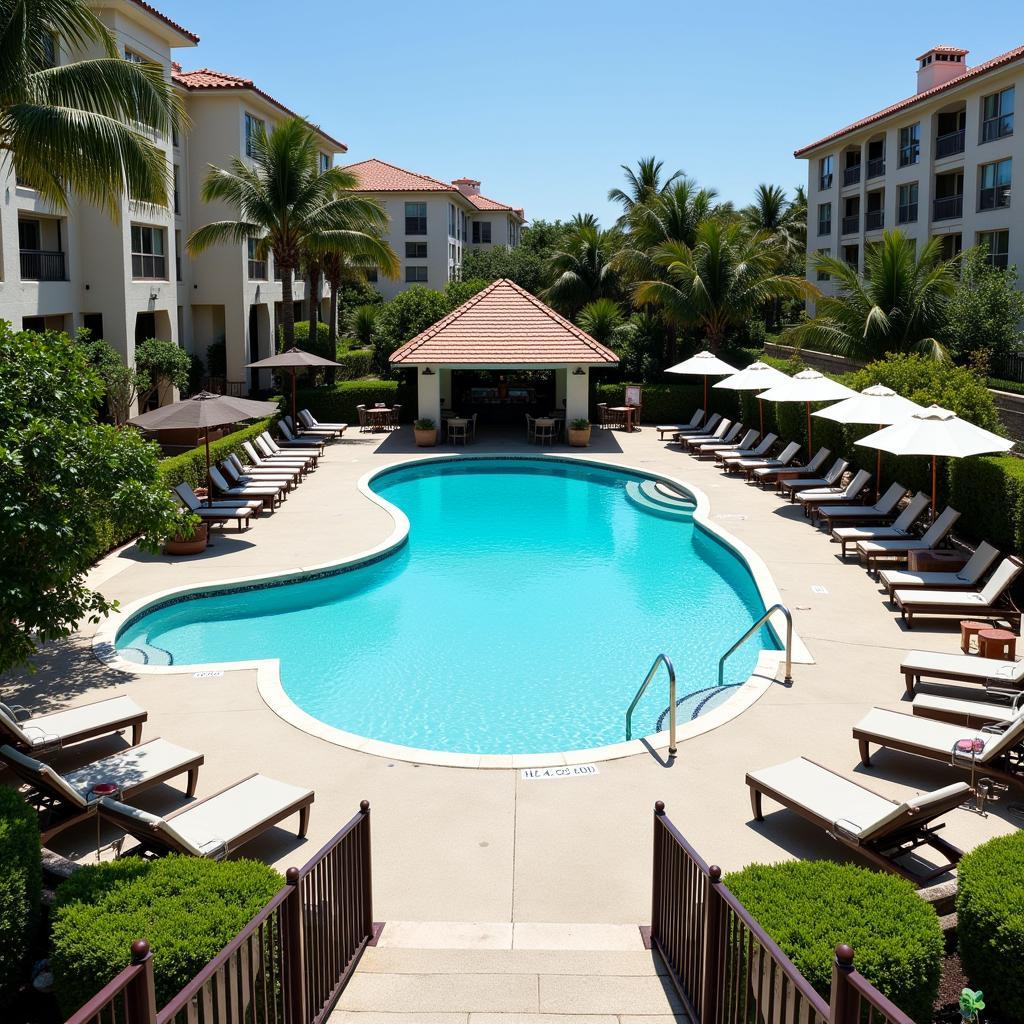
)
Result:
{"points": [[755, 377], [808, 386], [704, 364], [877, 405], [936, 431]]}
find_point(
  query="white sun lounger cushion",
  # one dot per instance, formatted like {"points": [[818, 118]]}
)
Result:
{"points": [[939, 737], [967, 666], [984, 598], [42, 730], [975, 568], [990, 710]]}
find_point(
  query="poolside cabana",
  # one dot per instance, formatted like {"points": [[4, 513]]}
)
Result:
{"points": [[500, 334]]}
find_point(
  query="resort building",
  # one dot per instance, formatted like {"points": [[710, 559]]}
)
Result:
{"points": [[938, 163], [434, 222]]}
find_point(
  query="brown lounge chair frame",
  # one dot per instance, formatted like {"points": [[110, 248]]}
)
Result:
{"points": [[134, 721], [882, 851], [913, 676], [791, 485], [1007, 611]]}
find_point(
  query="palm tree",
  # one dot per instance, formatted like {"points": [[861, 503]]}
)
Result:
{"points": [[641, 185], [772, 212], [716, 284], [601, 319], [290, 207], [898, 305], [78, 127], [582, 268]]}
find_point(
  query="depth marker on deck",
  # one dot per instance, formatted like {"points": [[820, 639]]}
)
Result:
{"points": [[569, 771]]}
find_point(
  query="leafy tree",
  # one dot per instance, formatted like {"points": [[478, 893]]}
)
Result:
{"points": [[527, 267], [986, 309], [582, 270], [405, 316], [899, 305], [642, 185], [79, 127], [64, 478], [601, 319], [458, 292], [541, 236]]}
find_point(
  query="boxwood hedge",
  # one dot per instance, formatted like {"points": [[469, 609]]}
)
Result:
{"points": [[190, 466], [337, 404], [20, 887]]}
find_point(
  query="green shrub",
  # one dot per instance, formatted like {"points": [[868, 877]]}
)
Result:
{"points": [[337, 404], [809, 907], [186, 907], [20, 888], [354, 364], [190, 466], [321, 346], [990, 922], [989, 492], [671, 403]]}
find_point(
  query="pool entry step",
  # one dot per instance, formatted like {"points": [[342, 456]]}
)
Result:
{"points": [[660, 499]]}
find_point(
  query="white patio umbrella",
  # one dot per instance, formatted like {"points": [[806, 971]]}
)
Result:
{"points": [[755, 377], [704, 364], [876, 405], [808, 386], [935, 431]]}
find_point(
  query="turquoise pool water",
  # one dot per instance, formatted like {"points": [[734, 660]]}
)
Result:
{"points": [[520, 617]]}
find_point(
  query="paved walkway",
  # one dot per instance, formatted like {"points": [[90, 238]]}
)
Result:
{"points": [[486, 846]]}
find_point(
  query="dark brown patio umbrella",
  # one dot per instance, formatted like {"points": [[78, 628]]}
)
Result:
{"points": [[201, 412], [293, 359]]}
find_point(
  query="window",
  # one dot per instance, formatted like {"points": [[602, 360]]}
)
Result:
{"points": [[415, 250], [997, 115], [910, 145], [481, 232], [149, 253], [995, 185], [177, 202], [451, 220], [257, 266], [28, 235], [416, 275], [371, 275], [252, 126], [825, 173], [821, 274], [133, 57], [824, 218], [907, 209], [851, 255], [325, 162], [874, 214], [998, 245], [462, 225], [415, 218], [951, 244], [177, 255]]}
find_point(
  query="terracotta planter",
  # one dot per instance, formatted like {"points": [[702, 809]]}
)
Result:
{"points": [[426, 438], [189, 545], [579, 438]]}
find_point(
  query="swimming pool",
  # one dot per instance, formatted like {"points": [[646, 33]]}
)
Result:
{"points": [[521, 615]]}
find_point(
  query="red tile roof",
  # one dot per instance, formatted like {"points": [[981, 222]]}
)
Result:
{"points": [[503, 325], [943, 49], [990, 65], [483, 203], [379, 176], [167, 21], [207, 78]]}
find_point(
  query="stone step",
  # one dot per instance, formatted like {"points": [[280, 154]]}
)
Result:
{"points": [[663, 507]]}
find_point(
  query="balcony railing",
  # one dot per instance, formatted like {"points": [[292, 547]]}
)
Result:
{"points": [[851, 175], [997, 127], [851, 224], [994, 198], [950, 144], [874, 220], [39, 265], [948, 208], [876, 167]]}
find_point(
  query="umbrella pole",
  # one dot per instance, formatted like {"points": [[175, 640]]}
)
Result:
{"points": [[935, 460], [705, 402], [878, 473], [809, 446], [295, 421], [760, 407], [209, 479]]}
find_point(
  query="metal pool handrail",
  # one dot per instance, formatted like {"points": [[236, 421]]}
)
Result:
{"points": [[752, 630], [661, 659]]}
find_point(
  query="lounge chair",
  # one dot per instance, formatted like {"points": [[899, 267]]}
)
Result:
{"points": [[310, 422], [238, 511], [760, 452], [881, 829], [871, 552], [725, 433], [240, 479], [963, 579], [311, 434], [750, 466], [700, 428], [37, 734], [992, 601], [961, 668], [291, 464], [267, 451], [314, 442], [774, 474], [217, 825], [292, 474], [267, 444], [993, 750], [680, 428], [883, 510], [977, 708], [899, 530], [813, 483], [271, 494], [66, 799], [817, 497], [710, 449]]}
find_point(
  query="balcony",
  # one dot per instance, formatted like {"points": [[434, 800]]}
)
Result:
{"points": [[874, 220], [851, 224], [994, 198], [851, 175], [876, 167], [40, 265], [950, 144], [948, 208]]}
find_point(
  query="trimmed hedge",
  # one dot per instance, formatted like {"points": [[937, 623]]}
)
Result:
{"points": [[809, 907], [337, 404], [990, 922], [187, 908], [20, 888], [190, 466], [670, 403], [989, 492], [354, 364]]}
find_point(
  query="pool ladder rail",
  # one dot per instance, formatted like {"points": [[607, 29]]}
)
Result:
{"points": [[664, 659]]}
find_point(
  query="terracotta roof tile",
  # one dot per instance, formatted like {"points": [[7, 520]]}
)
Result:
{"points": [[990, 65], [483, 203], [167, 21], [379, 176], [503, 325]]}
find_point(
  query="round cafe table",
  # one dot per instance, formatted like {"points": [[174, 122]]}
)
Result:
{"points": [[1000, 644], [376, 417]]}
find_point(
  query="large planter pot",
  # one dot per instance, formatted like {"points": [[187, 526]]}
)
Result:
{"points": [[579, 438], [189, 545], [426, 438]]}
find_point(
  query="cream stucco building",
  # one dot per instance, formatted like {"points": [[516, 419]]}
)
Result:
{"points": [[939, 163]]}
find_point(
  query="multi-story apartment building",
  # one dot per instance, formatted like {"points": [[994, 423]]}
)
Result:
{"points": [[938, 163], [433, 222]]}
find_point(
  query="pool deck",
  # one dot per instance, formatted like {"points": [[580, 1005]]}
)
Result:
{"points": [[474, 845]]}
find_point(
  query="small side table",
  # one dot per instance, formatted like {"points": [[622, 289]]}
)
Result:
{"points": [[935, 561], [969, 628], [1000, 644]]}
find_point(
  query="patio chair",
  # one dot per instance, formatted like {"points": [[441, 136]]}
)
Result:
{"points": [[544, 431], [394, 420], [765, 475], [55, 730], [310, 422], [310, 452], [240, 512], [65, 799], [364, 423], [678, 428], [458, 431], [760, 452], [881, 512], [750, 466], [709, 449], [993, 600], [900, 528], [472, 427], [306, 441], [725, 432], [969, 576], [880, 829], [240, 479], [309, 433], [217, 825], [292, 474], [792, 487], [815, 498], [961, 668], [271, 494], [994, 750], [271, 456], [977, 708], [708, 429], [531, 428], [871, 552]]}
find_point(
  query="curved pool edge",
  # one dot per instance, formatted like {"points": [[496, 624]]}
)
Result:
{"points": [[268, 676]]}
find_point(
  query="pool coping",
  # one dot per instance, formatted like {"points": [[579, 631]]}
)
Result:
{"points": [[268, 678]]}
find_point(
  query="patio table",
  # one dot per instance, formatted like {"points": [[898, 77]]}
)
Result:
{"points": [[376, 417], [627, 412]]}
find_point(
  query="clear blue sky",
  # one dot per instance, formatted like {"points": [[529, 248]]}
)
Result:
{"points": [[542, 101]]}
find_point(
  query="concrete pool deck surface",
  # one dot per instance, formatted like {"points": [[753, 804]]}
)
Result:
{"points": [[490, 848]]}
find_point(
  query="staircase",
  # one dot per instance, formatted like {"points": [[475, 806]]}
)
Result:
{"points": [[660, 499], [466, 973]]}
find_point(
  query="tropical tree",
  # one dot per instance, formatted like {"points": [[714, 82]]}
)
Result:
{"points": [[582, 269], [773, 213], [642, 185], [80, 127], [898, 305], [720, 281], [601, 319], [290, 207], [362, 323]]}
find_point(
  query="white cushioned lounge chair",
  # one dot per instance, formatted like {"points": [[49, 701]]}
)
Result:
{"points": [[898, 530], [313, 442], [881, 512], [972, 708], [765, 475], [992, 601], [311, 451], [710, 449], [679, 428], [237, 478], [725, 433], [969, 576], [291, 474], [831, 479], [750, 465], [271, 494], [267, 456], [238, 511], [310, 422], [37, 734], [871, 552], [961, 668], [759, 452], [817, 497]]}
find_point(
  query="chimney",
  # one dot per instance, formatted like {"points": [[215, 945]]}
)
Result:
{"points": [[467, 186], [940, 65]]}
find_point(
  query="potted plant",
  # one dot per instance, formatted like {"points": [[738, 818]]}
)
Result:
{"points": [[190, 536], [579, 433], [971, 1005], [426, 433]]}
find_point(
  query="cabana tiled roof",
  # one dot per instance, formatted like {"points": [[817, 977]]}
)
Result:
{"points": [[503, 325]]}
